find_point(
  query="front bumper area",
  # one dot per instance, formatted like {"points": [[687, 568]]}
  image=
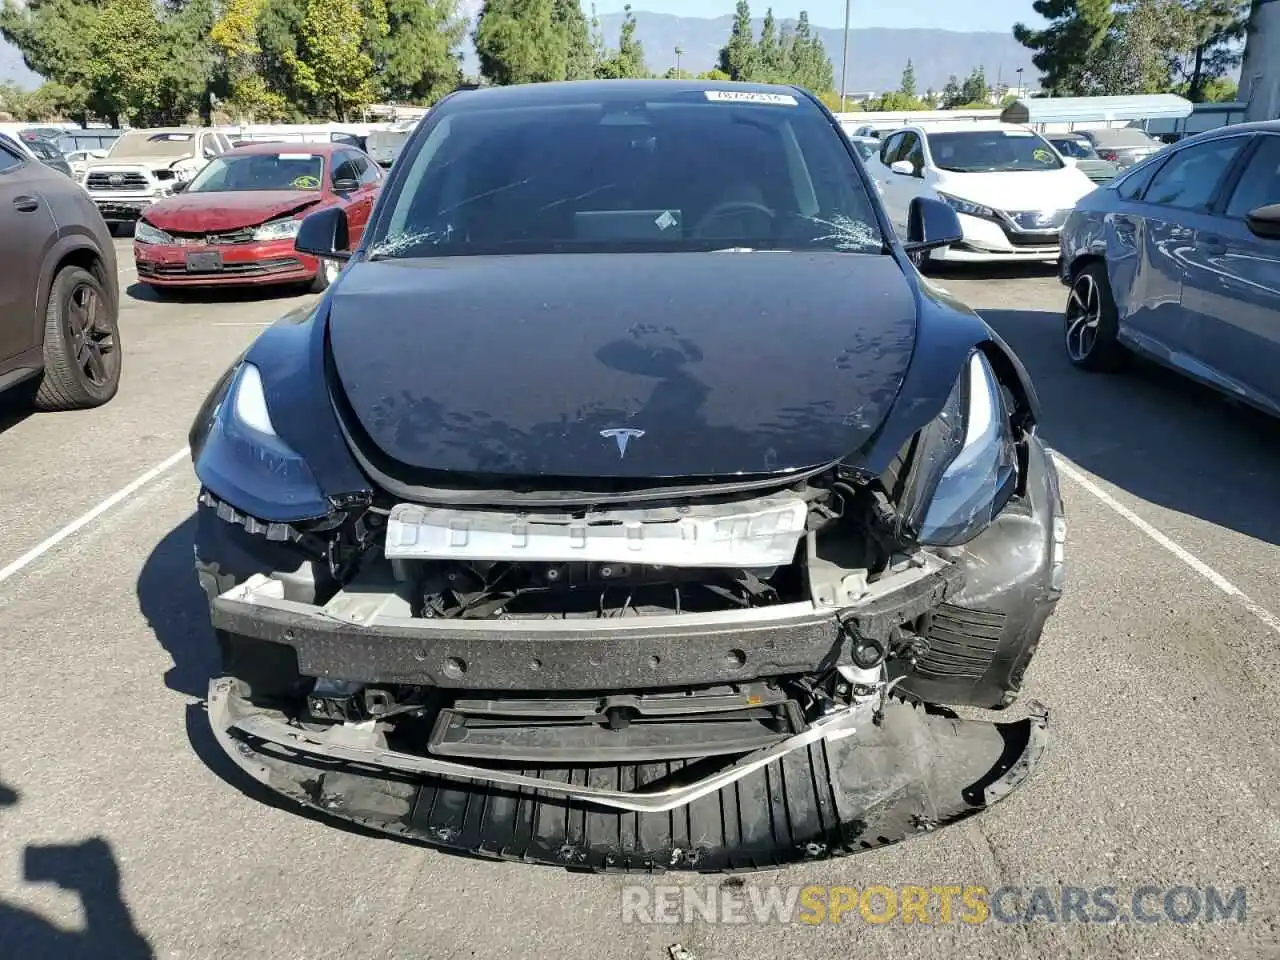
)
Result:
{"points": [[844, 785], [247, 264], [115, 209]]}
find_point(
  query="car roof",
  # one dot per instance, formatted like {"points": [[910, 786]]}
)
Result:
{"points": [[1120, 136], [323, 148], [569, 92]]}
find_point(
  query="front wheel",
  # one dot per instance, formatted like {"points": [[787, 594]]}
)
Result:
{"points": [[81, 344], [1091, 322]]}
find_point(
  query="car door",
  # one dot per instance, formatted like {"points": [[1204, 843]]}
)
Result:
{"points": [[1232, 281], [892, 189], [370, 183], [26, 229], [1161, 229], [344, 181]]}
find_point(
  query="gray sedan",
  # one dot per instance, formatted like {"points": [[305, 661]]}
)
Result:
{"points": [[1178, 259]]}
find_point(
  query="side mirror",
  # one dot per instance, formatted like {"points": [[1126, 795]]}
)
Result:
{"points": [[326, 234], [178, 186], [1264, 221], [903, 167], [346, 186], [931, 224]]}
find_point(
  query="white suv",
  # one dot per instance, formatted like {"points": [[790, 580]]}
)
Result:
{"points": [[1012, 189], [143, 165]]}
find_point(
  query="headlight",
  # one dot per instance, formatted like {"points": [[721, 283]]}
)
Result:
{"points": [[146, 233], [244, 462], [966, 206], [277, 230], [965, 467]]}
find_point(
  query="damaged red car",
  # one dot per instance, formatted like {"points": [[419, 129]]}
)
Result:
{"points": [[235, 222]]}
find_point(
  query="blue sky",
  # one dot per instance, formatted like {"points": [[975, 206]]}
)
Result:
{"points": [[998, 15]]}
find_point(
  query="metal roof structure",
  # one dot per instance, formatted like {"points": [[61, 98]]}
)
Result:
{"points": [[1096, 109]]}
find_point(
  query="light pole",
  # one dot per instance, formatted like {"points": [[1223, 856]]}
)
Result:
{"points": [[1020, 92], [844, 60], [678, 53]]}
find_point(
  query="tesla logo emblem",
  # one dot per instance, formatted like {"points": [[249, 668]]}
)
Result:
{"points": [[1044, 219], [115, 179], [622, 436]]}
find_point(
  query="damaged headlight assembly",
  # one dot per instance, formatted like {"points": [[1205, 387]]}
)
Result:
{"points": [[965, 466], [244, 461]]}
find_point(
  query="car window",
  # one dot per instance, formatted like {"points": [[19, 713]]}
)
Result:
{"points": [[913, 152], [890, 148], [989, 151], [368, 171], [260, 171], [1189, 179], [9, 158], [344, 168], [1259, 185], [607, 173], [1131, 184]]}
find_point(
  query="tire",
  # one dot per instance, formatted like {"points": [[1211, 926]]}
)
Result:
{"points": [[325, 275], [82, 357], [1091, 322]]}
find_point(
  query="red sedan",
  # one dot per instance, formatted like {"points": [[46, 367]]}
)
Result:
{"points": [[235, 222]]}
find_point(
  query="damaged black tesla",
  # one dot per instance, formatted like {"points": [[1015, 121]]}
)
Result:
{"points": [[629, 501]]}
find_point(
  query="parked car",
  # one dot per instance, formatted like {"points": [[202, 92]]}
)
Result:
{"points": [[350, 140], [143, 166], [1179, 260], [59, 292], [47, 152], [385, 145], [90, 138], [602, 453], [234, 224], [1080, 149], [867, 147], [78, 161], [1011, 188], [1124, 146]]}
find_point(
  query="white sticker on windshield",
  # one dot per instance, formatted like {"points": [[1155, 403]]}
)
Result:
{"points": [[295, 156], [747, 96], [665, 220]]}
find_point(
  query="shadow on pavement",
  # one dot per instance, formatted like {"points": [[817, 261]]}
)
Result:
{"points": [[16, 404], [171, 599], [990, 271], [1152, 432], [146, 293], [89, 870]]}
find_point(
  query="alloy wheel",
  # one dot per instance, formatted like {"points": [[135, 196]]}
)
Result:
{"points": [[1084, 312], [93, 342]]}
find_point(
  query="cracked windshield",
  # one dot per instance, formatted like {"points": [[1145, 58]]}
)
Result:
{"points": [[639, 479]]}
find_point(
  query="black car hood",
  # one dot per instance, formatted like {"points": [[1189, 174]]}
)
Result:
{"points": [[732, 364]]}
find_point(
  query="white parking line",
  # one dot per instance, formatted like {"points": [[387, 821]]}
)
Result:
{"points": [[84, 520], [1191, 560]]}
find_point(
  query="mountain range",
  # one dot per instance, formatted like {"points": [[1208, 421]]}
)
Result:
{"points": [[876, 56]]}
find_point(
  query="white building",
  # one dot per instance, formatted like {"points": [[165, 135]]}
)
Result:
{"points": [[1260, 72]]}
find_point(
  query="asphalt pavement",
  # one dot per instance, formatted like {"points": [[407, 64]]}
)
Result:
{"points": [[124, 834]]}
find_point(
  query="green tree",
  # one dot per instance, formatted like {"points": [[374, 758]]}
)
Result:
{"points": [[808, 63], [334, 65], [908, 85], [126, 60], [417, 60], [974, 90], [713, 75], [1064, 48], [194, 72], [769, 65], [1141, 52], [53, 38], [581, 58], [280, 39], [235, 37], [952, 94], [1214, 30], [737, 57], [519, 41], [628, 59], [895, 101]]}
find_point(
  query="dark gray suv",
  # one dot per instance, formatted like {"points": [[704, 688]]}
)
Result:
{"points": [[59, 290]]}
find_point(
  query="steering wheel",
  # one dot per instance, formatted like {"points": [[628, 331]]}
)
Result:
{"points": [[306, 182], [728, 207]]}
